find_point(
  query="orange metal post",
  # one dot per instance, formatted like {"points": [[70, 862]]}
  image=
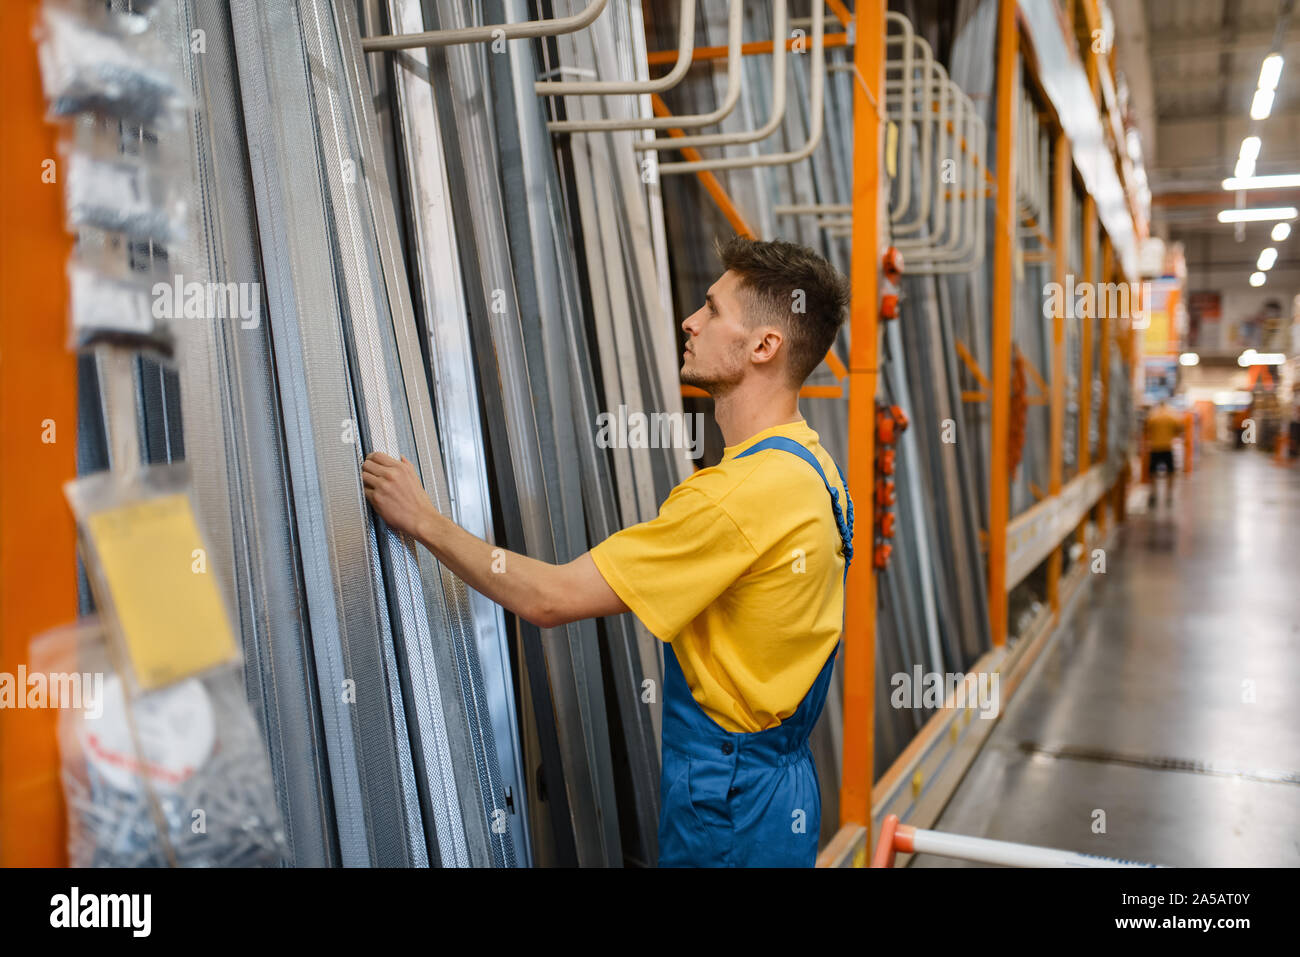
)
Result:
{"points": [[1103, 414], [1003, 246], [38, 431], [860, 596], [1061, 186], [1086, 322]]}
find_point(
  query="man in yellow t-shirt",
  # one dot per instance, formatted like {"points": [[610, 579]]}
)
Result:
{"points": [[1162, 427], [741, 574]]}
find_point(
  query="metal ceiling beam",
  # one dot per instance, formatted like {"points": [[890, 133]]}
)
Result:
{"points": [[1222, 199], [1167, 117], [1188, 44], [1225, 82]]}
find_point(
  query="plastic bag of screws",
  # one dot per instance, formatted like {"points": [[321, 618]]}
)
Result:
{"points": [[123, 194], [114, 307], [111, 64], [177, 777]]}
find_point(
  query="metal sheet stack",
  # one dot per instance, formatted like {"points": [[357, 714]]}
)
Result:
{"points": [[382, 687], [524, 377], [480, 338], [443, 324], [560, 262], [413, 772], [613, 270], [233, 426]]}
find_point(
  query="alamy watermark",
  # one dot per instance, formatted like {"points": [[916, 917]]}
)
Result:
{"points": [[59, 689], [651, 430], [1103, 300], [930, 689], [208, 300], [130, 911]]}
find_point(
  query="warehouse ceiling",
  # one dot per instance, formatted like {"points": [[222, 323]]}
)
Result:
{"points": [[1192, 67]]}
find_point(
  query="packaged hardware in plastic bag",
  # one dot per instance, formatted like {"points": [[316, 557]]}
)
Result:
{"points": [[167, 766], [107, 63], [112, 305], [173, 777], [122, 194]]}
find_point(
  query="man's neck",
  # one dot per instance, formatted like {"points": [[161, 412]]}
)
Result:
{"points": [[750, 409]]}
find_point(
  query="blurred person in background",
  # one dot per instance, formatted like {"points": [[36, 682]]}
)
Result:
{"points": [[1163, 426]]}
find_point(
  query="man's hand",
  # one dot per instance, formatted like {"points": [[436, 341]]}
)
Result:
{"points": [[394, 490], [547, 595]]}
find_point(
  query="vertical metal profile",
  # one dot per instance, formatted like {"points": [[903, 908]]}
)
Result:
{"points": [[369, 755], [395, 416], [549, 255], [572, 665], [439, 295]]}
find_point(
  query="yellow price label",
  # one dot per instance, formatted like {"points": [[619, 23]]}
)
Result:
{"points": [[891, 149], [167, 604]]}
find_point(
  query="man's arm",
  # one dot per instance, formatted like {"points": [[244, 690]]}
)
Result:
{"points": [[545, 594]]}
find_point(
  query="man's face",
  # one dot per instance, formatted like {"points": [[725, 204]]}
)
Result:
{"points": [[718, 339]]}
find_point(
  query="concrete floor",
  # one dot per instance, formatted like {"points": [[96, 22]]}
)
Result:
{"points": [[1141, 708]]}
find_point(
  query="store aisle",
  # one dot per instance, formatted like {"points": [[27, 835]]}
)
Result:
{"points": [[1168, 702]]}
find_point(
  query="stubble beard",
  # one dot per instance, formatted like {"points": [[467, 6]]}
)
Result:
{"points": [[716, 384]]}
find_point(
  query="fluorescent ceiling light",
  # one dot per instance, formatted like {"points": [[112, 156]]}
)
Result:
{"points": [[1252, 358], [1257, 279], [1249, 148], [1270, 72], [1189, 359], [1279, 181], [1245, 169], [1281, 231], [1261, 105], [1267, 256], [1268, 214]]}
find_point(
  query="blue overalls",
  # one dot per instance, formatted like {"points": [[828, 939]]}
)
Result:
{"points": [[744, 799]]}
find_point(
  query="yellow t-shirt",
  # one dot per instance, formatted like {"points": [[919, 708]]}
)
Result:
{"points": [[742, 571], [1162, 427]]}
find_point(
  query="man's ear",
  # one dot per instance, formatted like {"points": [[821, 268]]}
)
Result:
{"points": [[768, 346]]}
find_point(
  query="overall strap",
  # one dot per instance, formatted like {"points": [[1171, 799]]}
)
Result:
{"points": [[845, 525]]}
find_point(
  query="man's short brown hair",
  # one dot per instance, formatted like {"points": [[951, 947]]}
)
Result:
{"points": [[794, 287]]}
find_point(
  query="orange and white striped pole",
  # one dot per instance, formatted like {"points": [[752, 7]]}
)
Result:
{"points": [[904, 839]]}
